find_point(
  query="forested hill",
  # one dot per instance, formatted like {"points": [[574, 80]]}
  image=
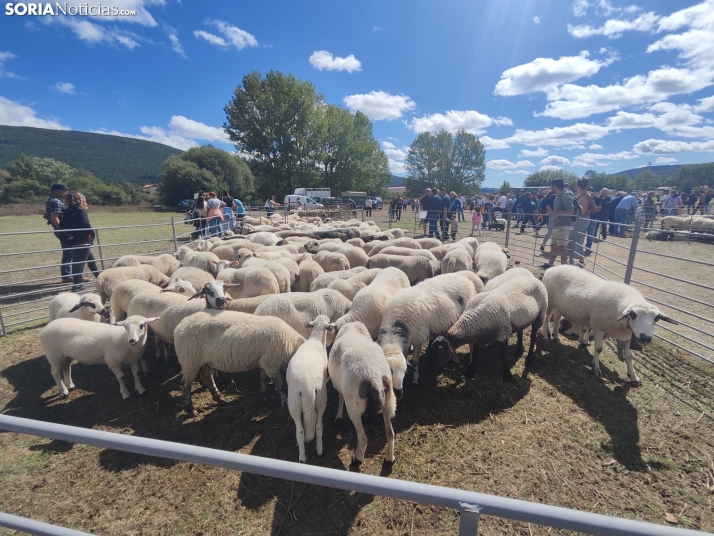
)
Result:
{"points": [[111, 158], [660, 171]]}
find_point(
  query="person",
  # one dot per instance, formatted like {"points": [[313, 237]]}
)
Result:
{"points": [[445, 200], [455, 207], [240, 211], [613, 205], [528, 207], [78, 234], [415, 205], [701, 203], [519, 207], [672, 203], [229, 221], [392, 204], [368, 207], [54, 208], [454, 224], [214, 214], [545, 205], [271, 203], [692, 202], [398, 208], [462, 200], [476, 220], [199, 212], [663, 200], [584, 223], [648, 210], [298, 205], [628, 203], [503, 202], [563, 216], [603, 202], [432, 204]]}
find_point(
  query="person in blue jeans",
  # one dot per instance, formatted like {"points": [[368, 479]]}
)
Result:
{"points": [[431, 202], [54, 210], [629, 202]]}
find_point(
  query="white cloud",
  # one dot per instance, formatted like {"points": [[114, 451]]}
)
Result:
{"points": [[453, 120], [545, 74], [614, 28], [595, 147], [188, 128], [14, 114], [705, 105], [653, 146], [97, 34], [378, 105], [519, 172], [494, 144], [550, 168], [538, 152], [555, 160], [507, 164], [665, 160], [324, 60], [597, 159], [4, 56], [377, 29], [673, 119], [396, 156], [602, 8], [65, 87], [232, 35], [175, 43], [559, 136], [536, 19]]}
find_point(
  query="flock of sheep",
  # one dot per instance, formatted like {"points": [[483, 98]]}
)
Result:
{"points": [[305, 301], [702, 225]]}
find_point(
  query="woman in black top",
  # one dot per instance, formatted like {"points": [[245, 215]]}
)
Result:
{"points": [[78, 235], [200, 206]]}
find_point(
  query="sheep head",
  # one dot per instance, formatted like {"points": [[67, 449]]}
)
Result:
{"points": [[135, 327], [641, 319]]}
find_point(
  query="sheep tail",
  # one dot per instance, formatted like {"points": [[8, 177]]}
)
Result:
{"points": [[309, 413], [375, 397]]}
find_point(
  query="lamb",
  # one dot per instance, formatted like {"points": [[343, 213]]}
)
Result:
{"points": [[247, 305], [165, 263], [349, 287], [297, 309], [332, 261], [399, 242], [417, 268], [197, 277], [362, 376], [233, 342], [205, 260], [250, 281], [415, 315], [408, 252], [109, 279], [609, 308], [428, 243], [309, 271], [457, 259], [324, 280], [439, 252], [307, 386], [227, 252], [355, 256], [264, 238], [70, 305], [507, 276], [357, 242], [118, 344], [286, 271], [369, 303], [490, 260], [123, 294], [493, 316]]}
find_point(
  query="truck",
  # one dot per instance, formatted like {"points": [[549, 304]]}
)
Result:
{"points": [[358, 197], [313, 192]]}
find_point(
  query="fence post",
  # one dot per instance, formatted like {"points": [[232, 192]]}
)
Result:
{"points": [[508, 226], [633, 250], [99, 247], [3, 331], [173, 229], [468, 520]]}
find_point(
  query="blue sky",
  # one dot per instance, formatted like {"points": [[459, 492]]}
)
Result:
{"points": [[583, 84]]}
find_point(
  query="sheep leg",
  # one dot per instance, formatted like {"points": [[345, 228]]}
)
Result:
{"points": [[295, 409], [186, 383], [263, 376], [389, 432], [546, 324], [207, 379], [143, 366], [57, 375], [471, 370], [556, 324], [358, 457], [321, 404], [584, 339], [67, 372], [503, 346], [634, 380], [534, 332], [119, 373], [340, 405], [519, 344], [137, 382], [599, 343]]}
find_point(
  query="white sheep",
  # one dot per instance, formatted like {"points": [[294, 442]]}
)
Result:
{"points": [[493, 316], [247, 305], [250, 281], [309, 271], [369, 303], [197, 277], [70, 305], [233, 342], [428, 243], [417, 268], [332, 261], [507, 276], [457, 259], [109, 279], [399, 242], [490, 260], [324, 280], [123, 294], [306, 377], [165, 263], [439, 252], [286, 271], [264, 238], [608, 308], [349, 287], [118, 344], [362, 376], [205, 260], [408, 252], [416, 315], [355, 256], [298, 308]]}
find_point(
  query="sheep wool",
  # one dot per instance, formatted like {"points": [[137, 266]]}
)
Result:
{"points": [[417, 268], [349, 287], [109, 279], [309, 271], [70, 305], [490, 260]]}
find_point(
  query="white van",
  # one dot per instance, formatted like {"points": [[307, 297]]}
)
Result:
{"points": [[305, 202]]}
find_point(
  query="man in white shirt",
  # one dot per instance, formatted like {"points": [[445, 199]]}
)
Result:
{"points": [[503, 202], [462, 199]]}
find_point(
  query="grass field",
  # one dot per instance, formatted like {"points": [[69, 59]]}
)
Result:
{"points": [[555, 435]]}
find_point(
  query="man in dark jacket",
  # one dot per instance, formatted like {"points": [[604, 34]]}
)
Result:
{"points": [[445, 200], [528, 206], [611, 213], [603, 201], [54, 208], [432, 204]]}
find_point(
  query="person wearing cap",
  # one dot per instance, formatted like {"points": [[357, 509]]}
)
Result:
{"points": [[54, 209]]}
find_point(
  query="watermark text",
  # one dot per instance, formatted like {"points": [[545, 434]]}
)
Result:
{"points": [[22, 9]]}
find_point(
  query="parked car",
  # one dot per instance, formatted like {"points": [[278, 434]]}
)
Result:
{"points": [[377, 202], [329, 200], [185, 205], [305, 202]]}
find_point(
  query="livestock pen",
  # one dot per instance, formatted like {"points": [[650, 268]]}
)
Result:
{"points": [[556, 435]]}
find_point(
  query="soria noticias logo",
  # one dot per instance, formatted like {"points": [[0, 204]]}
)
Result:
{"points": [[42, 9]]}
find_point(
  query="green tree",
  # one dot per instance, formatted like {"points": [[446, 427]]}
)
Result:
{"points": [[505, 187], [43, 170], [692, 177], [276, 121], [546, 176], [646, 180], [422, 164]]}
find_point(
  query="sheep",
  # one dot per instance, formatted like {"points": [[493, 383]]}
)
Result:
{"points": [[471, 241], [70, 305], [417, 268], [332, 261], [205, 260], [399, 242], [460, 244], [227, 252], [110, 278], [428, 243], [490, 260], [231, 342], [408, 252], [298, 308], [165, 263], [349, 287], [324, 280], [247, 305], [415, 315], [609, 308], [286, 271], [309, 271], [506, 277], [152, 303], [357, 242], [123, 294], [197, 277], [355, 256], [457, 259], [306, 377], [249, 281], [493, 316], [117, 344], [369, 303], [439, 252], [265, 238], [362, 376]]}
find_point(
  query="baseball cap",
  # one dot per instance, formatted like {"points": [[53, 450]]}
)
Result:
{"points": [[59, 186]]}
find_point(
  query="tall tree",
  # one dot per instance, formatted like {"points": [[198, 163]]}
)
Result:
{"points": [[693, 176], [646, 180], [505, 187], [546, 176]]}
